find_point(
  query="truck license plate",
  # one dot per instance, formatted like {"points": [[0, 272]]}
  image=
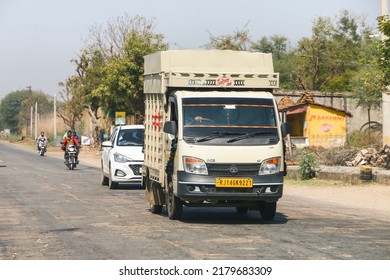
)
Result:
{"points": [[234, 182]]}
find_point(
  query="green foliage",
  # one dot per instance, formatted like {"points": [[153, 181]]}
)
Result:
{"points": [[11, 110], [307, 166], [368, 87], [239, 41], [331, 55], [327, 61], [384, 60], [110, 70], [284, 62], [15, 109]]}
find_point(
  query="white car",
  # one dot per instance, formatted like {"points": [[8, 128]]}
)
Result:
{"points": [[122, 156]]}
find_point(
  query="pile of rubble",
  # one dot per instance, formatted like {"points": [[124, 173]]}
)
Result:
{"points": [[372, 157]]}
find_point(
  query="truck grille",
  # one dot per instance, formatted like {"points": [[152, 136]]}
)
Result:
{"points": [[225, 169], [136, 168]]}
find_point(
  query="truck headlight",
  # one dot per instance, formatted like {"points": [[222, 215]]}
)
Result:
{"points": [[270, 166], [121, 158], [195, 166]]}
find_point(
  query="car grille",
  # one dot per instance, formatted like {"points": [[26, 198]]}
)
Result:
{"points": [[136, 168], [243, 169]]}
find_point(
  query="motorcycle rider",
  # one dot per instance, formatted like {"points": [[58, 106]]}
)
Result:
{"points": [[75, 135], [70, 140], [77, 138], [42, 138]]}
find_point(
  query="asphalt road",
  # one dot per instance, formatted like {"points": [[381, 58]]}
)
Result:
{"points": [[48, 212]]}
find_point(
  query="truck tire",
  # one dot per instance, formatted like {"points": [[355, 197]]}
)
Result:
{"points": [[148, 185], [242, 210], [155, 209], [268, 210], [174, 204]]}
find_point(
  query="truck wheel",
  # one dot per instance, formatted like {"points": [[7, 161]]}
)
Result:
{"points": [[174, 204], [155, 209], [268, 210], [242, 210]]}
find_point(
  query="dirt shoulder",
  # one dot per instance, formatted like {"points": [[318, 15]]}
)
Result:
{"points": [[366, 196]]}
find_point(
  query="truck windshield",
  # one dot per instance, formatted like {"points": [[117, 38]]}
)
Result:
{"points": [[233, 121]]}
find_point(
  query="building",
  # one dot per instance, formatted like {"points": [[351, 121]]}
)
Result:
{"points": [[314, 124]]}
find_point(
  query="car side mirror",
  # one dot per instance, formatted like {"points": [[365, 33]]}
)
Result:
{"points": [[107, 144], [170, 127], [286, 129]]}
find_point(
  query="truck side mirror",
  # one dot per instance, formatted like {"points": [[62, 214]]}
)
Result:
{"points": [[170, 127], [286, 129]]}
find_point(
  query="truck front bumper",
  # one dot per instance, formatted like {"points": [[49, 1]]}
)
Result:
{"points": [[196, 188]]}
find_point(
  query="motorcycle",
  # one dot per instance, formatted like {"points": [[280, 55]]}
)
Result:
{"points": [[71, 157], [41, 147]]}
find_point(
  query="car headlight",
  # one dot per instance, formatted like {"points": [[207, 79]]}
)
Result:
{"points": [[121, 158], [195, 166], [270, 166]]}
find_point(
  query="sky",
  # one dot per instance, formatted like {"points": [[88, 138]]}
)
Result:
{"points": [[39, 38]]}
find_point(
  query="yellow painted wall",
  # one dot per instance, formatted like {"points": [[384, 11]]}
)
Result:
{"points": [[325, 127]]}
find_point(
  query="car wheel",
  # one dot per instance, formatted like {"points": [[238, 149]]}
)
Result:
{"points": [[103, 178], [111, 184]]}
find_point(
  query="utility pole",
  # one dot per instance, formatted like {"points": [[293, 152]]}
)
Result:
{"points": [[36, 121], [55, 119], [31, 121], [385, 95], [31, 112]]}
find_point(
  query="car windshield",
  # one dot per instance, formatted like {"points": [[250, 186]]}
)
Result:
{"points": [[233, 121], [130, 137]]}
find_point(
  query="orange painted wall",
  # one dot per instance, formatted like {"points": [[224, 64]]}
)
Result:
{"points": [[325, 127]]}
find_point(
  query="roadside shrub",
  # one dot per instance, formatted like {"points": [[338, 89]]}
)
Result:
{"points": [[363, 139], [307, 166]]}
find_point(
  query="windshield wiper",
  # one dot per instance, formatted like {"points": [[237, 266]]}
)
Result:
{"points": [[217, 134], [247, 135]]}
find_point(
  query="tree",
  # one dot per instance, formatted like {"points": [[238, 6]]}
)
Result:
{"points": [[71, 111], [368, 83], [239, 41], [384, 61], [15, 109], [368, 87], [282, 58], [328, 60], [109, 71], [11, 108]]}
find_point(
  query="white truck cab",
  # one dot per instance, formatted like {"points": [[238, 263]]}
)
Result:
{"points": [[213, 135]]}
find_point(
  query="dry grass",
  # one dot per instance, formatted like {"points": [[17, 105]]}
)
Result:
{"points": [[358, 140]]}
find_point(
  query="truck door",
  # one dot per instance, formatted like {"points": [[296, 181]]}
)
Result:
{"points": [[171, 140]]}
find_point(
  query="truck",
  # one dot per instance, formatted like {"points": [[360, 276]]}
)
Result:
{"points": [[213, 134]]}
